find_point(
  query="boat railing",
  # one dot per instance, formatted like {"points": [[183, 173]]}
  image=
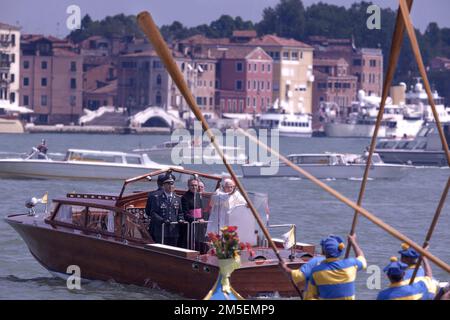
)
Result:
{"points": [[193, 228], [175, 223]]}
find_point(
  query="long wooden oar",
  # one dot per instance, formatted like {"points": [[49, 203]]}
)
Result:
{"points": [[431, 229], [393, 59], [371, 217], [418, 56], [151, 31]]}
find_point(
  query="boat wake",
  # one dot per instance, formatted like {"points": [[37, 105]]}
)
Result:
{"points": [[359, 179]]}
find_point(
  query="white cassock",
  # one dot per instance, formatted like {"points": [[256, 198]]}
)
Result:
{"points": [[231, 210]]}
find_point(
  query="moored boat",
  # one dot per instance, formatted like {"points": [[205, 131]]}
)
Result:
{"points": [[106, 237], [424, 150], [328, 166]]}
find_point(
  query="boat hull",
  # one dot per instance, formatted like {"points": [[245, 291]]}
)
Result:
{"points": [[345, 130], [42, 169], [355, 171], [11, 126], [418, 158], [98, 258]]}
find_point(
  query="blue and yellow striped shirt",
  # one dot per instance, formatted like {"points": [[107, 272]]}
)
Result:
{"points": [[335, 279], [420, 276], [304, 274], [404, 291]]}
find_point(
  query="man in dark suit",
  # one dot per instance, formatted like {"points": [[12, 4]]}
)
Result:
{"points": [[165, 208]]}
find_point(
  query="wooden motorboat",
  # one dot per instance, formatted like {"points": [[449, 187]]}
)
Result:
{"points": [[106, 237]]}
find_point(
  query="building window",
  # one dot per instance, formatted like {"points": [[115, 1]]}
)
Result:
{"points": [[294, 55], [44, 65], [268, 68], [262, 85], [26, 64], [285, 55], [241, 106], [44, 82], [26, 82], [158, 98], [262, 67], [254, 85], [238, 84], [157, 64], [211, 101], [248, 101], [254, 102], [26, 100], [357, 62], [239, 67], [249, 67], [73, 66], [13, 78], [268, 85], [158, 80], [199, 101], [255, 67], [44, 100], [12, 97], [13, 58], [13, 40], [73, 83]]}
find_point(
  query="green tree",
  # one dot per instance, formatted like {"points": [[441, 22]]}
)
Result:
{"points": [[286, 20]]}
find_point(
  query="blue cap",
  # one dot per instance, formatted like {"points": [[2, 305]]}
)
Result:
{"points": [[333, 246], [409, 252], [395, 268]]}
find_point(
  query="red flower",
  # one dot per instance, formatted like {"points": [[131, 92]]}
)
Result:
{"points": [[232, 229]]}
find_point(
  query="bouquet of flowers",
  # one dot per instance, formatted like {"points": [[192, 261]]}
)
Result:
{"points": [[226, 245]]}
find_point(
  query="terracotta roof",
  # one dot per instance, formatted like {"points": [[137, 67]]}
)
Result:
{"points": [[64, 53], [241, 52], [8, 26], [273, 40]]}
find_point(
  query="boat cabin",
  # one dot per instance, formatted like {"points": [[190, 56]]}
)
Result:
{"points": [[427, 139], [106, 157], [331, 159]]}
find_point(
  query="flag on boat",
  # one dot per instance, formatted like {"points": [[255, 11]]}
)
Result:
{"points": [[289, 238], [44, 199]]}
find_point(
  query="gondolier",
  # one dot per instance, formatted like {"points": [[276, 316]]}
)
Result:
{"points": [[166, 209], [409, 257], [400, 289], [335, 278]]}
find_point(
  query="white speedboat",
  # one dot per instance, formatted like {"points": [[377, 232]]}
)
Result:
{"points": [[424, 150], [287, 124], [193, 152], [328, 166], [80, 164]]}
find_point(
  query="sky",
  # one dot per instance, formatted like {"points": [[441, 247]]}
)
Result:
{"points": [[49, 16]]}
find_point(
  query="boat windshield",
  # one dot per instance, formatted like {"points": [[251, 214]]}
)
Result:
{"points": [[310, 159], [133, 159], [93, 157]]}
